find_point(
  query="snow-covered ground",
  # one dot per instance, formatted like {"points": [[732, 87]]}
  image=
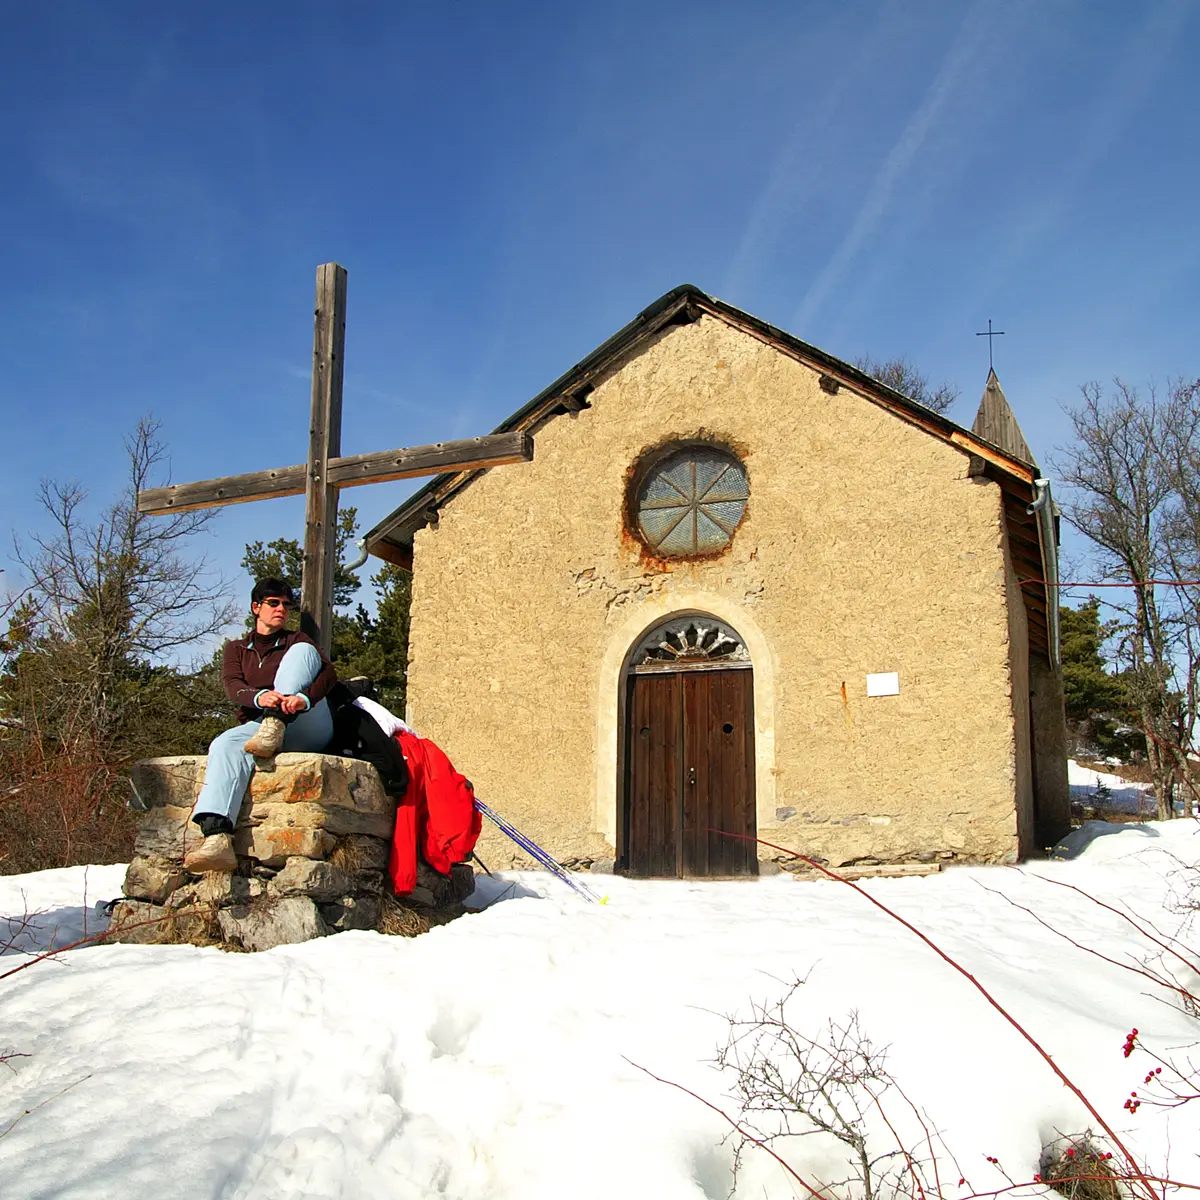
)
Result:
{"points": [[1124, 796], [495, 1057]]}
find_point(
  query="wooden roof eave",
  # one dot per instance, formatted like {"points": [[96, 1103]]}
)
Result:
{"points": [[1029, 522], [871, 390], [568, 393]]}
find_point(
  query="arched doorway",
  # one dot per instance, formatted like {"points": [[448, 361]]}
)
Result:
{"points": [[688, 753]]}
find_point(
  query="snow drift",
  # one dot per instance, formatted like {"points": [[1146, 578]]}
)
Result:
{"points": [[498, 1056]]}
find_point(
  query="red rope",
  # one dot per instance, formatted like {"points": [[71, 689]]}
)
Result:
{"points": [[1132, 583]]}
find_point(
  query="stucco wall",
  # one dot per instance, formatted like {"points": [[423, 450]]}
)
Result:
{"points": [[865, 548]]}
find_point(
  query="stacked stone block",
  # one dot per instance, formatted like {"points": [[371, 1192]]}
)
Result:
{"points": [[312, 839]]}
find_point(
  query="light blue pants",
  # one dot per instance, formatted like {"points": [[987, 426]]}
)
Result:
{"points": [[230, 767]]}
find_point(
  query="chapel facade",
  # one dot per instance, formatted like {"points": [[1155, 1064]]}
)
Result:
{"points": [[743, 590]]}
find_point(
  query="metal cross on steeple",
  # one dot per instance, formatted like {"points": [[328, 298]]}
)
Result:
{"points": [[991, 333]]}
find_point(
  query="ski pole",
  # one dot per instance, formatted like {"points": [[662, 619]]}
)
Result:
{"points": [[536, 852]]}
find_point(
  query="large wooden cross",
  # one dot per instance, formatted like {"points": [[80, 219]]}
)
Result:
{"points": [[327, 470]]}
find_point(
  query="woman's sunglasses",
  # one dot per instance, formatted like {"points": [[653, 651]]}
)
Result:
{"points": [[271, 602]]}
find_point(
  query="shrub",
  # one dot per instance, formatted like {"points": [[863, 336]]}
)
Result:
{"points": [[1079, 1168]]}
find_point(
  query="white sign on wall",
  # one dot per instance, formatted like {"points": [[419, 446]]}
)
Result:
{"points": [[885, 683]]}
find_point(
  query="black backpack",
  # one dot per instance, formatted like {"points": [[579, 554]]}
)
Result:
{"points": [[356, 735]]}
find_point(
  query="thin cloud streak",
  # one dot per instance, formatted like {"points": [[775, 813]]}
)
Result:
{"points": [[973, 32], [377, 396], [800, 168], [390, 399], [1130, 81]]}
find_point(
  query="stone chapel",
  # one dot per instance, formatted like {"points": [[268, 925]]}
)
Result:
{"points": [[743, 589]]}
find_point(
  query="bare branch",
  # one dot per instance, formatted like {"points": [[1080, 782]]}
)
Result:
{"points": [[1125, 474], [901, 376]]}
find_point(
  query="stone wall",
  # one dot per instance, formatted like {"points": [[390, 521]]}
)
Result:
{"points": [[312, 839], [865, 548]]}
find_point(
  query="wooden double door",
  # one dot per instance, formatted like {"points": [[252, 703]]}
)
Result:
{"points": [[689, 773]]}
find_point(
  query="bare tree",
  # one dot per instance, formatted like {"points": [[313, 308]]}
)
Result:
{"points": [[1122, 497], [85, 687], [901, 376], [1179, 453], [107, 594]]}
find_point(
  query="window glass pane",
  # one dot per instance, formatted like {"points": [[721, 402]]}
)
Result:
{"points": [[692, 501]]}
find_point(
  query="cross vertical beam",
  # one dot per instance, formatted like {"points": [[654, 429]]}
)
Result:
{"points": [[324, 443], [327, 470]]}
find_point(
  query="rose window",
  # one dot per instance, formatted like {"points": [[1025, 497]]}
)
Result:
{"points": [[690, 503]]}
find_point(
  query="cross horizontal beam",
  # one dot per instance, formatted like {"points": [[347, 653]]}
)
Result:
{"points": [[353, 470]]}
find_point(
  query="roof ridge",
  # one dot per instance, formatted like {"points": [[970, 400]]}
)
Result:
{"points": [[684, 304]]}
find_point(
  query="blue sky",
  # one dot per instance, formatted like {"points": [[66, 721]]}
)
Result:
{"points": [[509, 183]]}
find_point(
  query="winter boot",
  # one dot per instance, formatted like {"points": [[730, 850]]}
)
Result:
{"points": [[215, 853], [268, 741]]}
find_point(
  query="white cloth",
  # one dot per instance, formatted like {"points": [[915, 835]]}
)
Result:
{"points": [[386, 720]]}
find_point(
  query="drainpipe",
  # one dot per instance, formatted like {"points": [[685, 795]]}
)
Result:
{"points": [[1043, 509], [364, 555]]}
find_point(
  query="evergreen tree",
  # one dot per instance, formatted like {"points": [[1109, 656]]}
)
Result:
{"points": [[377, 647], [360, 644], [284, 559], [1098, 702]]}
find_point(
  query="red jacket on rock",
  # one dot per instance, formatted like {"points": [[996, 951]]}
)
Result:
{"points": [[437, 815]]}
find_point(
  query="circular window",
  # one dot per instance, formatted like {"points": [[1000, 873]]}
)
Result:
{"points": [[690, 502]]}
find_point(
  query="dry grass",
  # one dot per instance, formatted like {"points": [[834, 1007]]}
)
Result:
{"points": [[399, 920], [188, 925], [60, 807], [196, 926], [396, 920], [347, 855], [1080, 1168], [1081, 813]]}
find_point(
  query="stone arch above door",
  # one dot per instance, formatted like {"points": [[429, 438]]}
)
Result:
{"points": [[694, 641]]}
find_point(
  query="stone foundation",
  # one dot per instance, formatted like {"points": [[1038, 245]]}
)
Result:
{"points": [[312, 839]]}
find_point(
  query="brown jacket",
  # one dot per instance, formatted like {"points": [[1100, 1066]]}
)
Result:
{"points": [[249, 667]]}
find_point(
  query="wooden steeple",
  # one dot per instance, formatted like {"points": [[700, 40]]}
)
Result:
{"points": [[995, 422]]}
